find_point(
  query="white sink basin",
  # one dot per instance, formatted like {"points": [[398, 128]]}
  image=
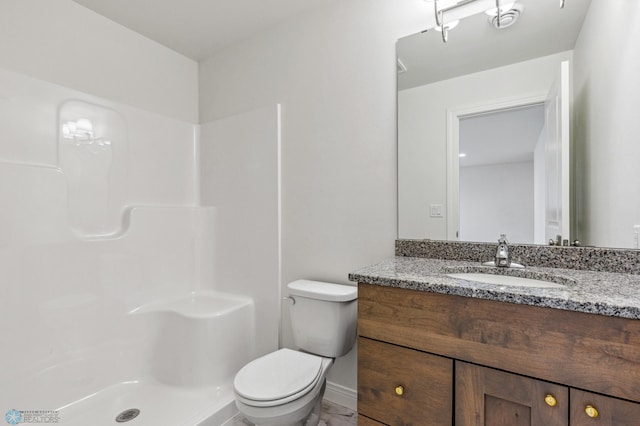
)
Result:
{"points": [[505, 280]]}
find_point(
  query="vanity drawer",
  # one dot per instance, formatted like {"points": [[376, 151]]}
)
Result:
{"points": [[401, 386]]}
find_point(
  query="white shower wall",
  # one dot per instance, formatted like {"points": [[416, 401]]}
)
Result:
{"points": [[65, 299], [160, 155], [240, 175]]}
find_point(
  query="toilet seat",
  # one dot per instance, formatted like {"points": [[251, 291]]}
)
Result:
{"points": [[278, 378]]}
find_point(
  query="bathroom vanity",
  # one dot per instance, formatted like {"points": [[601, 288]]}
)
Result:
{"points": [[435, 350]]}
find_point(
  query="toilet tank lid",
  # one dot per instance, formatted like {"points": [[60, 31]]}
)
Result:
{"points": [[324, 291]]}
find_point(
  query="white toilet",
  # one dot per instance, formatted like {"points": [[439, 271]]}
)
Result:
{"points": [[285, 387]]}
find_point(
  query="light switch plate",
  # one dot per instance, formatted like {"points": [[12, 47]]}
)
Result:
{"points": [[436, 210]]}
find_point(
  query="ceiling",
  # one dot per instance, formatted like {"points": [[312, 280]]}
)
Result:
{"points": [[501, 137], [200, 28], [474, 45]]}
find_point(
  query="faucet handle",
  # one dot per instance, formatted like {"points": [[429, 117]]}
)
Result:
{"points": [[503, 238]]}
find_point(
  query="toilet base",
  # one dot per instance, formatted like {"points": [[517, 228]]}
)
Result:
{"points": [[314, 417], [308, 414]]}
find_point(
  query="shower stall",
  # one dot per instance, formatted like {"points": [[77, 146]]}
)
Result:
{"points": [[122, 298]]}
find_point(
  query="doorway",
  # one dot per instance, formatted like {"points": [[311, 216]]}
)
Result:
{"points": [[501, 174]]}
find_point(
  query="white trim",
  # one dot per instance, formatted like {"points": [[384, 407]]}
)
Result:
{"points": [[454, 115], [565, 111], [341, 395], [279, 225]]}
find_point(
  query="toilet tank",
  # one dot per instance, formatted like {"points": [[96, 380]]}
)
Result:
{"points": [[323, 317]]}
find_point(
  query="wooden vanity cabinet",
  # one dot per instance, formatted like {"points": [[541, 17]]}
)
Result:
{"points": [[509, 364]]}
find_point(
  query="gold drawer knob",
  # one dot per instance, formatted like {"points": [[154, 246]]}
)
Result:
{"points": [[399, 390], [551, 400], [591, 411]]}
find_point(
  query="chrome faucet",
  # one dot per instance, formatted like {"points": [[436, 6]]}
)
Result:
{"points": [[503, 258], [502, 253]]}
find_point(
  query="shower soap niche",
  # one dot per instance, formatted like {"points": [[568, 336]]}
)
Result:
{"points": [[92, 154]]}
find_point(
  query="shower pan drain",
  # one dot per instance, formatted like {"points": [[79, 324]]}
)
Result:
{"points": [[127, 415]]}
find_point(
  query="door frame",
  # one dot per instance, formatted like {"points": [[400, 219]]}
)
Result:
{"points": [[454, 115]]}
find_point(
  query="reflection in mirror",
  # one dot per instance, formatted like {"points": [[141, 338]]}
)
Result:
{"points": [[497, 175], [441, 86]]}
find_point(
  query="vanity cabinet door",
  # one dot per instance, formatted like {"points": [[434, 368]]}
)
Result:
{"points": [[590, 409], [400, 386], [488, 397]]}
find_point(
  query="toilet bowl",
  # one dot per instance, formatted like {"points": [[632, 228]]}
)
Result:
{"points": [[285, 387], [282, 388]]}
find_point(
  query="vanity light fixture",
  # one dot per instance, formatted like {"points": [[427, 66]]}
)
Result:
{"points": [[502, 13], [461, 10], [439, 14]]}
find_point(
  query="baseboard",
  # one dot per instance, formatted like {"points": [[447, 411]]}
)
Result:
{"points": [[341, 395]]}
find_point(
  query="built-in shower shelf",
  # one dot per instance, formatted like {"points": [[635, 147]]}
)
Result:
{"points": [[199, 323], [197, 305]]}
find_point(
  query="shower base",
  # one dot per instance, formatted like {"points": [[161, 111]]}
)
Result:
{"points": [[159, 405]]}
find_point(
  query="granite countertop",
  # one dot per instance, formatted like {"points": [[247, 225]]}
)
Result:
{"points": [[602, 293]]}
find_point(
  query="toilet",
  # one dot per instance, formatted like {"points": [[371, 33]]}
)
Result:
{"points": [[285, 387]]}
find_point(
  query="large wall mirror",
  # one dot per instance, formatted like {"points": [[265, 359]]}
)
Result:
{"points": [[530, 130]]}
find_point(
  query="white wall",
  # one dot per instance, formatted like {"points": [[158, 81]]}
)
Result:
{"points": [[67, 44], [606, 126], [333, 72], [422, 155], [497, 199]]}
